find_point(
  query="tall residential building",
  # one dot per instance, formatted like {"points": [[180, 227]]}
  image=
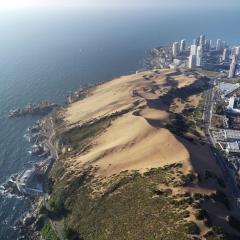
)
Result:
{"points": [[207, 45], [237, 51], [193, 50], [183, 45], [233, 51], [210, 44], [192, 61], [219, 46], [175, 49], [225, 55], [224, 44], [202, 41], [199, 56], [233, 67]]}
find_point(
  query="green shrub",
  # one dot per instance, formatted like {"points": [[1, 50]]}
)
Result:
{"points": [[192, 228], [201, 214], [47, 231], [197, 196]]}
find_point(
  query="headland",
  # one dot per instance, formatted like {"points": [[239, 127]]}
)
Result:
{"points": [[135, 158]]}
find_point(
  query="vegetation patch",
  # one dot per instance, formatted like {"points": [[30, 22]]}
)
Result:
{"points": [[131, 207], [77, 138], [201, 214], [192, 228], [47, 231]]}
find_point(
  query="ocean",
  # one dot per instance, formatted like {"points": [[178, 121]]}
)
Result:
{"points": [[45, 54]]}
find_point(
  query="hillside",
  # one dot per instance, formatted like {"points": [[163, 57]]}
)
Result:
{"points": [[133, 163]]}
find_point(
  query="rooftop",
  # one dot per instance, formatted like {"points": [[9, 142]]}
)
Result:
{"points": [[232, 134], [233, 145], [227, 88]]}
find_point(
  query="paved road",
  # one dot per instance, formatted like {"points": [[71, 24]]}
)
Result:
{"points": [[227, 172], [54, 154]]}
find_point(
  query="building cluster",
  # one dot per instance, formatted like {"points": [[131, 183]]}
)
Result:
{"points": [[202, 52], [227, 134]]}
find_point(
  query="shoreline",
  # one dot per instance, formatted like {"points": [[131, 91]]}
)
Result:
{"points": [[189, 81], [77, 95], [87, 92], [140, 86], [80, 95]]}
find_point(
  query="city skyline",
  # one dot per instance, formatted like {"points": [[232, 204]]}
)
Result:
{"points": [[198, 51]]}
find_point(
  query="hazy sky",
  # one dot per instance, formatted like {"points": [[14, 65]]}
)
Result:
{"points": [[13, 4]]}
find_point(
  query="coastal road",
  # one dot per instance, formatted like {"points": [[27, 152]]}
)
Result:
{"points": [[209, 96], [49, 142], [54, 155]]}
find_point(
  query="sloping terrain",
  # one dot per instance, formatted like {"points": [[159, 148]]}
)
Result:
{"points": [[133, 165], [131, 142]]}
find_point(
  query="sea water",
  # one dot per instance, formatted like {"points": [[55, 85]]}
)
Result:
{"points": [[45, 54]]}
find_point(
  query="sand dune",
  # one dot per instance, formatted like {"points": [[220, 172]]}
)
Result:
{"points": [[138, 138], [184, 81], [114, 96], [131, 142]]}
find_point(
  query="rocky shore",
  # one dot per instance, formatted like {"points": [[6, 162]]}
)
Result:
{"points": [[41, 135], [40, 109]]}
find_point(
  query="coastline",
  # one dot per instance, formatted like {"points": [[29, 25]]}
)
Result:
{"points": [[136, 94], [152, 102], [84, 93], [24, 224]]}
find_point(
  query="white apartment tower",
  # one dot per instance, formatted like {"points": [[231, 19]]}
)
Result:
{"points": [[207, 45], [202, 41], [233, 67], [219, 46], [199, 56], [192, 61], [193, 49], [175, 49], [225, 55], [237, 51], [182, 45]]}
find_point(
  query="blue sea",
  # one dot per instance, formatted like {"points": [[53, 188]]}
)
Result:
{"points": [[45, 54]]}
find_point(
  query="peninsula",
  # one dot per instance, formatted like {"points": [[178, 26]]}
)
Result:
{"points": [[136, 159]]}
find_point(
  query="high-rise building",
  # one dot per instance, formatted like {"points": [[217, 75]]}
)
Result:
{"points": [[175, 49], [195, 41], [233, 67], [210, 44], [192, 61], [207, 45], [219, 46], [237, 51], [202, 41], [182, 45], [233, 51], [199, 56], [225, 55], [193, 50]]}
